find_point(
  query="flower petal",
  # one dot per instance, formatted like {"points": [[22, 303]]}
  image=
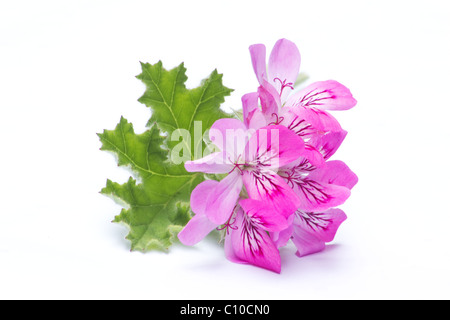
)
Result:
{"points": [[269, 187], [280, 239], [249, 106], [250, 244], [223, 198], [284, 65], [329, 143], [196, 229], [335, 172], [315, 120], [324, 95], [315, 194], [264, 147], [200, 194], [263, 215], [258, 55], [258, 120], [313, 229], [214, 163], [199, 226], [269, 103], [230, 135]]}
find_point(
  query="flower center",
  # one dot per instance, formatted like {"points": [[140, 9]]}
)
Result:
{"points": [[238, 165]]}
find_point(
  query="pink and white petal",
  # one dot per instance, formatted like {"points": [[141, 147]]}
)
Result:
{"points": [[199, 226], [307, 243], [253, 245], [269, 187], [230, 135], [196, 229], [329, 143], [214, 163], [258, 120], [335, 172], [249, 106], [200, 194], [269, 103], [223, 198], [265, 147], [263, 215], [280, 239], [313, 229], [229, 250], [313, 156], [320, 121], [316, 195], [324, 95], [284, 65], [258, 55], [272, 94]]}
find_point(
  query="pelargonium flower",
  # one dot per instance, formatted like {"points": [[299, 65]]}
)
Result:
{"points": [[246, 229], [251, 162], [305, 111]]}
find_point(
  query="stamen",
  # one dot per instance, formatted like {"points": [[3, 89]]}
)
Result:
{"points": [[284, 84], [279, 119], [237, 165], [229, 224]]}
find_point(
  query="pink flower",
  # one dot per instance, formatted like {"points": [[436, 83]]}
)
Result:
{"points": [[246, 227], [251, 162], [305, 111], [316, 221]]}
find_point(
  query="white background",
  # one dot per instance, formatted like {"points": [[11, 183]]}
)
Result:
{"points": [[67, 71]]}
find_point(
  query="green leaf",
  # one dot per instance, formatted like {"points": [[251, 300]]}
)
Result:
{"points": [[175, 107], [156, 201]]}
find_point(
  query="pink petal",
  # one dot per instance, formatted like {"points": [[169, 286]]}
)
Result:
{"points": [[230, 135], [213, 163], [258, 120], [284, 65], [307, 243], [196, 229], [199, 226], [249, 107], [229, 250], [223, 198], [250, 244], [335, 172], [280, 239], [263, 215], [313, 229], [269, 103], [317, 195], [273, 146], [314, 157], [269, 187], [324, 95], [200, 194], [328, 144], [270, 99], [258, 55], [319, 121]]}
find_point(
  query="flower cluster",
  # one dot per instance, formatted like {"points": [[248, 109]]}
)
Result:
{"points": [[278, 182]]}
